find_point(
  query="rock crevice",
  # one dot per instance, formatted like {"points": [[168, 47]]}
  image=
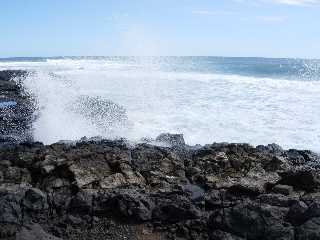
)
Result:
{"points": [[219, 191]]}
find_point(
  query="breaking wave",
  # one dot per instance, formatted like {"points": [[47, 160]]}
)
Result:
{"points": [[134, 98]]}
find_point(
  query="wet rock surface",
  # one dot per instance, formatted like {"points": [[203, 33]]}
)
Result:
{"points": [[16, 108], [114, 190]]}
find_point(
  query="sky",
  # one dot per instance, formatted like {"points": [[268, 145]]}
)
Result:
{"points": [[247, 28]]}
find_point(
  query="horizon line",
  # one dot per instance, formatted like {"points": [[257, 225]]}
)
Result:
{"points": [[157, 56]]}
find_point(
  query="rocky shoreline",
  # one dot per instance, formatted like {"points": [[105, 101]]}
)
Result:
{"points": [[102, 189], [16, 108]]}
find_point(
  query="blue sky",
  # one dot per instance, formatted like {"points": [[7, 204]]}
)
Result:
{"points": [[269, 28]]}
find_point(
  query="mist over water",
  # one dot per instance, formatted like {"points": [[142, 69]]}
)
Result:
{"points": [[208, 99]]}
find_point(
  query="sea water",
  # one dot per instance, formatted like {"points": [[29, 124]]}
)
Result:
{"points": [[208, 99]]}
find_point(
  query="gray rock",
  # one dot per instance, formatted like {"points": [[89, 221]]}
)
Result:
{"points": [[220, 235], [83, 202], [271, 148], [219, 191], [283, 189], [254, 221], [309, 230], [313, 211], [16, 108], [297, 213], [11, 204], [175, 140], [175, 208], [278, 200], [128, 205], [34, 232], [35, 200], [301, 179]]}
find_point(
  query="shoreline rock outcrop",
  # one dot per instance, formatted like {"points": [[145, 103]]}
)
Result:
{"points": [[114, 190], [103, 189], [16, 108]]}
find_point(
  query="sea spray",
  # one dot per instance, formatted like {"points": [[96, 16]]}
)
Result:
{"points": [[207, 99]]}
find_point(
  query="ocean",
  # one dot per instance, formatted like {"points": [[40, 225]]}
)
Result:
{"points": [[208, 99]]}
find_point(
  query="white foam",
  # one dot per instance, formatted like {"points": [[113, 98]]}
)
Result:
{"points": [[204, 107]]}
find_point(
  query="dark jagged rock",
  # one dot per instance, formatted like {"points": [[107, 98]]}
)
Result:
{"points": [[6, 75], [253, 221], [271, 148], [101, 189], [34, 232], [283, 189], [309, 230], [128, 205], [175, 140], [302, 179], [16, 108]]}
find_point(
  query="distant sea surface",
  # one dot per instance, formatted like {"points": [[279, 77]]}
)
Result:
{"points": [[208, 99]]}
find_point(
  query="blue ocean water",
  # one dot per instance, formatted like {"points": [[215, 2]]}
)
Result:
{"points": [[282, 68], [6, 104], [208, 99]]}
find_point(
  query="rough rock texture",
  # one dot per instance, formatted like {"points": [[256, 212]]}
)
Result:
{"points": [[101, 189], [113, 190], [16, 108]]}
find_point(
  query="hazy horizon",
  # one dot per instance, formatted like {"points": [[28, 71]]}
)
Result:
{"points": [[159, 56]]}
